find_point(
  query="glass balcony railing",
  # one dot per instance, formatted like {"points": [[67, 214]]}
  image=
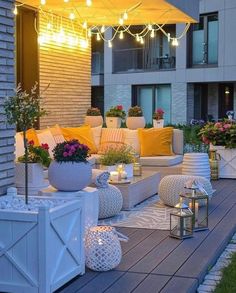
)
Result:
{"points": [[140, 59], [97, 63]]}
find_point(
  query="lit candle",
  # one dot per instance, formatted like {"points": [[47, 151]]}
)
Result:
{"points": [[123, 175], [196, 214], [114, 175]]}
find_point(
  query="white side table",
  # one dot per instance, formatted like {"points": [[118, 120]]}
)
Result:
{"points": [[90, 199], [196, 164]]}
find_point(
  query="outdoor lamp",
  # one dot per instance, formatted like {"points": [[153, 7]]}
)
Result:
{"points": [[181, 222]]}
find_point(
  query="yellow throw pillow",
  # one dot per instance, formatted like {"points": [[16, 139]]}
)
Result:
{"points": [[156, 141], [83, 134], [32, 135]]}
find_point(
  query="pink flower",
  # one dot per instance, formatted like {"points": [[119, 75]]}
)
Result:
{"points": [[205, 140], [218, 124], [160, 111], [119, 107], [31, 142], [221, 129], [227, 126], [65, 154]]}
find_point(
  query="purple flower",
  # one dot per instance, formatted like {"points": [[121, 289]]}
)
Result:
{"points": [[65, 154]]}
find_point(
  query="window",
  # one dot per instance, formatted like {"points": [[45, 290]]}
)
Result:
{"points": [[150, 97], [203, 41]]}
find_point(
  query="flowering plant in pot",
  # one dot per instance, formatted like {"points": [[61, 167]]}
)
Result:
{"points": [[135, 118], [93, 117], [24, 109], [158, 121], [70, 170], [114, 116]]}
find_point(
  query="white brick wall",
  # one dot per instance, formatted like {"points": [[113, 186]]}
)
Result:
{"points": [[117, 95], [7, 83], [179, 102]]}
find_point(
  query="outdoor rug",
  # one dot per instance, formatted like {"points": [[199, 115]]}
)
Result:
{"points": [[150, 214]]}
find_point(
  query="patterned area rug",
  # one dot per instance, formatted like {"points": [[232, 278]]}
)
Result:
{"points": [[150, 214]]}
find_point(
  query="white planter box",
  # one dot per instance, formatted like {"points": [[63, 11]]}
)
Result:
{"points": [[41, 250], [36, 178], [227, 163], [158, 123], [113, 122]]}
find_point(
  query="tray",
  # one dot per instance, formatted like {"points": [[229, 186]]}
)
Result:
{"points": [[122, 181]]}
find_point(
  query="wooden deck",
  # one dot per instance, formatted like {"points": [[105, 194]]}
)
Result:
{"points": [[154, 262]]}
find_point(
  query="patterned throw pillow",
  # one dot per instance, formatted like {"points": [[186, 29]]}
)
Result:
{"points": [[57, 133], [111, 137]]}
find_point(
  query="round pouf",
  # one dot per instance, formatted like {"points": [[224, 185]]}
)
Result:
{"points": [[171, 186], [110, 201], [196, 164], [102, 248]]}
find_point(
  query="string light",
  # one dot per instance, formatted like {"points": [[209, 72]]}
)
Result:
{"points": [[121, 21], [84, 24], [175, 42], [109, 44], [152, 35], [141, 40], [102, 29], [49, 25], [89, 2], [168, 37], [72, 16], [125, 15], [150, 27], [43, 2], [98, 37], [66, 1], [15, 11], [121, 36], [137, 38]]}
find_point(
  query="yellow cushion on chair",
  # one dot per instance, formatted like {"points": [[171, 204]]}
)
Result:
{"points": [[156, 141], [32, 135], [83, 134]]}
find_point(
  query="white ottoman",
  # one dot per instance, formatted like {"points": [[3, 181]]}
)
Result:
{"points": [[196, 164], [171, 186]]}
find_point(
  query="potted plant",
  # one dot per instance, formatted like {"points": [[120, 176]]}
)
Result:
{"points": [[158, 121], [70, 170], [222, 137], [135, 118], [118, 155], [114, 116], [38, 158], [93, 117], [23, 110]]}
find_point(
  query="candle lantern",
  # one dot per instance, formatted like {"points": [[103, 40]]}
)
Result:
{"points": [[137, 166], [198, 202], [181, 222]]}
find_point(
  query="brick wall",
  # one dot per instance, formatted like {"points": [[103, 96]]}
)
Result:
{"points": [[7, 83], [179, 102], [117, 95], [68, 70]]}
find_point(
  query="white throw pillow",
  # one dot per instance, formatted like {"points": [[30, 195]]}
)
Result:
{"points": [[45, 136], [97, 132], [131, 139]]}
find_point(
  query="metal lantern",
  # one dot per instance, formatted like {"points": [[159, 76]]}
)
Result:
{"points": [[198, 202], [214, 164], [181, 222]]}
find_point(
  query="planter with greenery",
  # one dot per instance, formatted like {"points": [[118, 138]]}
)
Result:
{"points": [[115, 116], [93, 117], [118, 155], [158, 121], [38, 158], [24, 109], [70, 170], [135, 118]]}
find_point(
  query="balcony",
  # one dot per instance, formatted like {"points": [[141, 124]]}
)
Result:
{"points": [[97, 63], [139, 60]]}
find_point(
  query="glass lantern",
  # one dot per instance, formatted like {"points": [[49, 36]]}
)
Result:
{"points": [[198, 203], [181, 222]]}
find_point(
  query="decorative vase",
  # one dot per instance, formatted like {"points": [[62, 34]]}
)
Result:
{"points": [[36, 179], [113, 122], [93, 121], [158, 123], [135, 122], [69, 176], [196, 164]]}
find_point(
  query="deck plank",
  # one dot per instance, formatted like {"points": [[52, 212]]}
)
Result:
{"points": [[180, 285], [152, 284]]}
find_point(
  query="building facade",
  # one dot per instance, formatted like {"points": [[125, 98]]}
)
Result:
{"points": [[196, 79]]}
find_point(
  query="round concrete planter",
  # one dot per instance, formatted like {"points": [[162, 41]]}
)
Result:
{"points": [[93, 121], [113, 122], [69, 176], [135, 122]]}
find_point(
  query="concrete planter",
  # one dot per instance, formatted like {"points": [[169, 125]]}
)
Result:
{"points": [[135, 122], [227, 162], [69, 176], [44, 248], [158, 123], [113, 122], [36, 179], [93, 121]]}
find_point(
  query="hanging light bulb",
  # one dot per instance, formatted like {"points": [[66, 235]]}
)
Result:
{"points": [[168, 37], [175, 42], [66, 1], [43, 2], [102, 29], [109, 44], [137, 38], [150, 27], [121, 36], [89, 2], [72, 16], [125, 15], [98, 37], [121, 21], [84, 25], [89, 33], [152, 33], [15, 11], [49, 25], [141, 40]]}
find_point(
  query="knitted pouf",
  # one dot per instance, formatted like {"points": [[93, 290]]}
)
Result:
{"points": [[102, 248], [171, 186], [110, 201]]}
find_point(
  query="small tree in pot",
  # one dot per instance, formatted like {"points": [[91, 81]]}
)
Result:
{"points": [[24, 109], [135, 118]]}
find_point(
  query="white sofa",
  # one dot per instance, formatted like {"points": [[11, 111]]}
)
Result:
{"points": [[165, 164]]}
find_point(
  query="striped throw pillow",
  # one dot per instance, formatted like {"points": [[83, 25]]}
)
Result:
{"points": [[111, 137]]}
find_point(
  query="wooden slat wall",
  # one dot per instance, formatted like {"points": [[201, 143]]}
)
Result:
{"points": [[68, 70]]}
